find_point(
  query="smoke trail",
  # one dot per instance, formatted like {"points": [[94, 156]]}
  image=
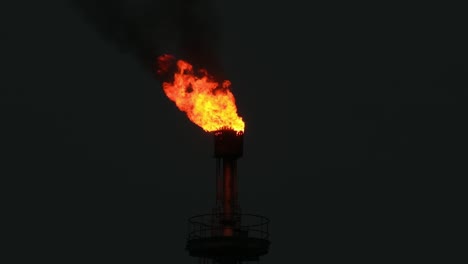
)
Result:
{"points": [[185, 28]]}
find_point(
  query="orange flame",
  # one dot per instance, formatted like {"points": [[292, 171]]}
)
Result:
{"points": [[207, 103]]}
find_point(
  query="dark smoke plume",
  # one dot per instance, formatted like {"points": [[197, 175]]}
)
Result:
{"points": [[184, 28]]}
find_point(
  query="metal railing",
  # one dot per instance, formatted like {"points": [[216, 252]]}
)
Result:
{"points": [[244, 225]]}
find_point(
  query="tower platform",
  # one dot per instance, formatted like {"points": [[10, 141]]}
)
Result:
{"points": [[248, 241]]}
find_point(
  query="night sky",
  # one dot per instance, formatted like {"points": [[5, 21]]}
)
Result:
{"points": [[355, 117]]}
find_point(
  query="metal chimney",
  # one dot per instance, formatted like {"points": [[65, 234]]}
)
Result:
{"points": [[226, 236]]}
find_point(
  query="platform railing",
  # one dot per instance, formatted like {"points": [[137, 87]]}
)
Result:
{"points": [[245, 225]]}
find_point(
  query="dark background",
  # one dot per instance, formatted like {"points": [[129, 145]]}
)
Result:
{"points": [[355, 119]]}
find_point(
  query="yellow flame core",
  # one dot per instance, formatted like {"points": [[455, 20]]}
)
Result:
{"points": [[203, 100]]}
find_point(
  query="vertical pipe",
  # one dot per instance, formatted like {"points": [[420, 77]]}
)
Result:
{"points": [[236, 207], [219, 183], [235, 187], [228, 197]]}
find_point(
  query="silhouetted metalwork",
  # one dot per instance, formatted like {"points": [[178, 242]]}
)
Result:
{"points": [[249, 239], [228, 143], [226, 236]]}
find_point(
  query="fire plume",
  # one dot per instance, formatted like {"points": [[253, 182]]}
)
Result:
{"points": [[206, 102]]}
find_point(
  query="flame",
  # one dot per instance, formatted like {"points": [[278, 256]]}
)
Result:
{"points": [[207, 103]]}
